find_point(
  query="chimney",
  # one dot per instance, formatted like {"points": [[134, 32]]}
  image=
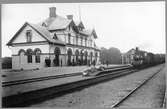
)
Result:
{"points": [[70, 17], [52, 12]]}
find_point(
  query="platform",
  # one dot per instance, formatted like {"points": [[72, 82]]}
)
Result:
{"points": [[51, 71]]}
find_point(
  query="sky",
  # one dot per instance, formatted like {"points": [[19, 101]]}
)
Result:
{"points": [[123, 25]]}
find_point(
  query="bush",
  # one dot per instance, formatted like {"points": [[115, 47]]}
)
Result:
{"points": [[6, 63]]}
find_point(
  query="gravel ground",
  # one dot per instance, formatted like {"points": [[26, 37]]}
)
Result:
{"points": [[103, 95], [149, 95], [15, 89]]}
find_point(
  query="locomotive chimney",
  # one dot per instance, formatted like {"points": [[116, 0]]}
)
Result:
{"points": [[137, 48]]}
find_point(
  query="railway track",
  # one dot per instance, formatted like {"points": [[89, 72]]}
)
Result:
{"points": [[29, 97], [116, 105], [17, 82]]}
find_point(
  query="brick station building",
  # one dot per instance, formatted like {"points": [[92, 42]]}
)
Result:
{"points": [[62, 40]]}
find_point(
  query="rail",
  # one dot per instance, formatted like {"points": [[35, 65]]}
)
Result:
{"points": [[136, 88], [17, 82], [17, 100]]}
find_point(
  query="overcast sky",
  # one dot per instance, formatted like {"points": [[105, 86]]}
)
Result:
{"points": [[121, 25]]}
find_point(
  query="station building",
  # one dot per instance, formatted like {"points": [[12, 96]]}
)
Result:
{"points": [[61, 40]]}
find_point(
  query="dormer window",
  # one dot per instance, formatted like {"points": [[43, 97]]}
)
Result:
{"points": [[44, 24], [55, 36], [80, 28], [29, 35]]}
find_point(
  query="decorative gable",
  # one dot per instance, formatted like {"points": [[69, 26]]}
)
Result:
{"points": [[38, 34], [26, 34]]}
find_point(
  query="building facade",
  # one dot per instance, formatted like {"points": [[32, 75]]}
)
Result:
{"points": [[128, 57], [134, 55], [60, 40]]}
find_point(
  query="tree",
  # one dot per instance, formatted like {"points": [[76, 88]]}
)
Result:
{"points": [[103, 55], [111, 55], [6, 63], [114, 55]]}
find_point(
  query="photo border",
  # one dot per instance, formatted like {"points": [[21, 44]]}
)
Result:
{"points": [[73, 1]]}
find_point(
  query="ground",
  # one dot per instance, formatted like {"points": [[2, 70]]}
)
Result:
{"points": [[103, 95]]}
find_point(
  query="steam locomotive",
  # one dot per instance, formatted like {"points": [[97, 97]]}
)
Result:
{"points": [[146, 59]]}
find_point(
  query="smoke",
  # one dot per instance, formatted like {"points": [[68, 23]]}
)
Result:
{"points": [[145, 46]]}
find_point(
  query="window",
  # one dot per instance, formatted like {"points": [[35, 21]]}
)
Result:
{"points": [[94, 44], [85, 41], [29, 56], [81, 40], [55, 36], [43, 24], [76, 40], [69, 38], [91, 43], [37, 55], [29, 35]]}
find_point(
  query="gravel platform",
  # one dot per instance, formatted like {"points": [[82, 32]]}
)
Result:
{"points": [[150, 95]]}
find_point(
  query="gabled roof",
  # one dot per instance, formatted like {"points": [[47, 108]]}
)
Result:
{"points": [[45, 33], [39, 29], [129, 52], [89, 32], [79, 24], [56, 23]]}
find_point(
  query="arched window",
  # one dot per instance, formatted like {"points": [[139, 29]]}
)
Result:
{"points": [[77, 54], [21, 51], [37, 53], [69, 53], [29, 55], [85, 54], [81, 54], [21, 54]]}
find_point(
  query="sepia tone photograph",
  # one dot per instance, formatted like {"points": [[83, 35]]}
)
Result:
{"points": [[83, 55]]}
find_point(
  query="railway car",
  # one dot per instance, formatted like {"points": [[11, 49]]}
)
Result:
{"points": [[142, 60], [139, 58]]}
